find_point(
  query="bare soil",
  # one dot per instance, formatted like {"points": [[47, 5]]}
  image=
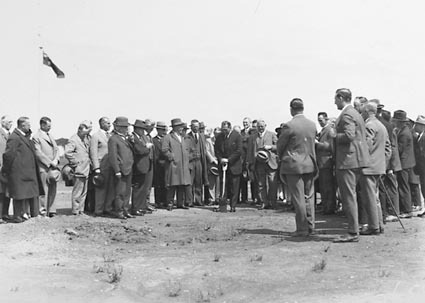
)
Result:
{"points": [[198, 255]]}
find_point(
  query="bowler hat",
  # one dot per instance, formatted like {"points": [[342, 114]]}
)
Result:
{"points": [[161, 125], [139, 123], [263, 155], [400, 115], [98, 180], [121, 121], [176, 122], [214, 170], [53, 175], [420, 120]]}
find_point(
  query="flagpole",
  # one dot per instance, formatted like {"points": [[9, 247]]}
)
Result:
{"points": [[39, 63]]}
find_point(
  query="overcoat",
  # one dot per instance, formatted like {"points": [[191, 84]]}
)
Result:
{"points": [[21, 168], [141, 155], [177, 163], [193, 154], [3, 140]]}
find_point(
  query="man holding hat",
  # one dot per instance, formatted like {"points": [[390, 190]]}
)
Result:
{"points": [[420, 153], [298, 168], [407, 159], [261, 159], [47, 154], [142, 169], [177, 175], [160, 191], [120, 156]]}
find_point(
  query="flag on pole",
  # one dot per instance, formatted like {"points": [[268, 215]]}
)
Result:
{"points": [[47, 61]]}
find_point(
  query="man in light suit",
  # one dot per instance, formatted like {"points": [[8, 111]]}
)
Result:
{"points": [[352, 155], [47, 154], [99, 162], [264, 169], [380, 152], [407, 159], [6, 125], [420, 154], [77, 154], [298, 167], [120, 158]]}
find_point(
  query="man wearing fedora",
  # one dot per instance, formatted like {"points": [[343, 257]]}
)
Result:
{"points": [[77, 154], [213, 188], [142, 169], [197, 162], [160, 191], [99, 161], [177, 174], [47, 154], [298, 166], [120, 157], [261, 158], [5, 127], [352, 155], [228, 149], [407, 159], [420, 153]]}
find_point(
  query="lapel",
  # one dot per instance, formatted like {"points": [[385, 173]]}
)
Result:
{"points": [[174, 136], [46, 138], [4, 134], [341, 115], [24, 139]]}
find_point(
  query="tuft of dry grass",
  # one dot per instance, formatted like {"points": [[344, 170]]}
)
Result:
{"points": [[319, 266]]}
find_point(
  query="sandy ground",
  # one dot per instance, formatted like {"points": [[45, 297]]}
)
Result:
{"points": [[198, 255]]}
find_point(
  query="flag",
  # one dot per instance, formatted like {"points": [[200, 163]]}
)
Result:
{"points": [[47, 61]]}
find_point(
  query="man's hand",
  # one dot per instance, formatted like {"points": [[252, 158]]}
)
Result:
{"points": [[54, 164], [97, 171], [267, 147], [149, 145], [224, 160], [390, 172]]}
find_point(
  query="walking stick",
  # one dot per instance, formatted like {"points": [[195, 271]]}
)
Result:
{"points": [[391, 203], [223, 200]]}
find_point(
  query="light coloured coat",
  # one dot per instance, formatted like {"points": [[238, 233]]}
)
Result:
{"points": [[177, 163], [77, 154], [46, 150], [98, 148]]}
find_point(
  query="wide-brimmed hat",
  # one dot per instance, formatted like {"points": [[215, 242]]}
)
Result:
{"points": [[53, 175], [176, 122], [263, 155], [68, 175], [161, 125], [400, 115], [185, 126], [139, 123], [98, 180], [420, 120], [121, 121], [214, 170]]}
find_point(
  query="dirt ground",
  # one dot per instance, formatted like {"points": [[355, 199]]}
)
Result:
{"points": [[198, 255]]}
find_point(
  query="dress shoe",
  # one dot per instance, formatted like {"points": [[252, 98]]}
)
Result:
{"points": [[25, 216], [145, 211], [406, 216], [347, 238], [300, 234], [17, 219], [232, 209], [137, 213], [52, 215], [3, 221], [121, 216], [170, 207], [183, 207], [391, 218], [422, 215], [370, 232], [127, 215], [150, 208]]}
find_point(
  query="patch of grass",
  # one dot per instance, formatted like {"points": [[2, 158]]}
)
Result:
{"points": [[114, 273], [319, 266]]}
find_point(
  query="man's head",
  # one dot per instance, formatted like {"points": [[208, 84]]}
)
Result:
{"points": [[359, 102], [105, 124], [208, 132], [254, 124], [161, 128], [45, 124], [322, 118], [237, 129], [420, 124], [24, 124], [194, 126], [342, 97], [246, 123], [386, 115], [226, 127], [6, 122], [296, 106], [369, 110], [399, 118], [121, 125], [201, 127], [177, 126], [84, 128], [217, 131], [150, 125], [261, 126]]}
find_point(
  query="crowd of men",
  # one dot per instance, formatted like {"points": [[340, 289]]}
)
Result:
{"points": [[371, 162]]}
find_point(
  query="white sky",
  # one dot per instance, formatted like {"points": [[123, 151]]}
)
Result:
{"points": [[210, 60]]}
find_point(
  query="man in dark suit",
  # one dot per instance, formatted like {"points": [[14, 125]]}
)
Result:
{"points": [[263, 143], [120, 156], [325, 162], [407, 159], [245, 133], [20, 168], [6, 125], [352, 155], [298, 167], [142, 169], [160, 191], [197, 162], [228, 149]]}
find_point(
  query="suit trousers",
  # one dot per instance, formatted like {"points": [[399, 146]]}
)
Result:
{"points": [[102, 196], [47, 201], [231, 188], [404, 191], [4, 205], [138, 196], [370, 200], [301, 191], [196, 182], [388, 194], [122, 194], [213, 187], [327, 190], [266, 184], [415, 194], [179, 191], [347, 181], [90, 203], [79, 194], [26, 206], [422, 180], [160, 195]]}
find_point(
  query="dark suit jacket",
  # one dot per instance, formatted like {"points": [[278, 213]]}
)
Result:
{"points": [[21, 168], [325, 148], [159, 163], [350, 143], [405, 148], [3, 139], [120, 154], [420, 154], [231, 149], [141, 155], [195, 154], [296, 148], [254, 144]]}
